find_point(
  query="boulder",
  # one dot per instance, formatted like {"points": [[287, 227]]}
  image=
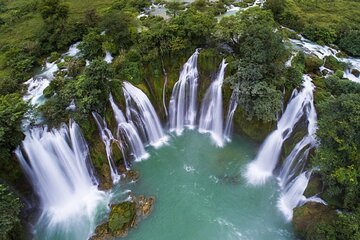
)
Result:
{"points": [[355, 72], [308, 218]]}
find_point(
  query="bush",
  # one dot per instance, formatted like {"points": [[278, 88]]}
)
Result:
{"points": [[322, 35], [350, 43], [91, 45], [10, 206], [312, 64]]}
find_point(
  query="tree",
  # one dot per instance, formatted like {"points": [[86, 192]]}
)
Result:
{"points": [[10, 206], [121, 28], [93, 87], [338, 156], [173, 8], [259, 66], [351, 43], [91, 45], [12, 110], [54, 14]]}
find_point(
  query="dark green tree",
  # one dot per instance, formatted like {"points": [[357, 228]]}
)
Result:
{"points": [[91, 45], [259, 66], [53, 35], [10, 207], [93, 87]]}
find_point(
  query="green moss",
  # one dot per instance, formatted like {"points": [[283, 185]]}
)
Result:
{"points": [[307, 218], [314, 186], [312, 64], [121, 218], [255, 129], [332, 63], [321, 92], [54, 56]]}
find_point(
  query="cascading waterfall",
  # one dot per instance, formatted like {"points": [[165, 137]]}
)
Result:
{"points": [[58, 167], [128, 132], [108, 138], [292, 195], [183, 102], [141, 113], [211, 116], [293, 180], [265, 162], [230, 115]]}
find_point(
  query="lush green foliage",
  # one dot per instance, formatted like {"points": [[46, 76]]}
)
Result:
{"points": [[10, 206], [91, 45], [260, 56], [322, 21], [12, 109], [351, 42], [338, 155]]}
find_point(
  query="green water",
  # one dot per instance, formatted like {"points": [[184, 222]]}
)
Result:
{"points": [[201, 194]]}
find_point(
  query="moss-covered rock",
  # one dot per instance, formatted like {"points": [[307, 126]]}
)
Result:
{"points": [[54, 56], [314, 187], [122, 217], [255, 129], [309, 217], [312, 64], [332, 63]]}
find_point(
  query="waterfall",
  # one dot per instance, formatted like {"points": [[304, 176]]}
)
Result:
{"points": [[108, 138], [142, 114], [292, 195], [57, 164], [211, 115], [183, 101], [292, 178], [230, 115], [128, 133], [265, 162]]}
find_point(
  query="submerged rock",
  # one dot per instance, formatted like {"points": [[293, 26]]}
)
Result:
{"points": [[144, 205], [131, 176]]}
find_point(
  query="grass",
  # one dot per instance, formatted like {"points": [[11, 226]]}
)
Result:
{"points": [[326, 13], [21, 29]]}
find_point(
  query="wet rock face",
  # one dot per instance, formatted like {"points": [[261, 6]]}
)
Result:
{"points": [[356, 72], [131, 176], [105, 178], [144, 205]]}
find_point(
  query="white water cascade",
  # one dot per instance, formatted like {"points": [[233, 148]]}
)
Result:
{"points": [[183, 102], [128, 133], [58, 166], [265, 162], [141, 113], [108, 138], [322, 52], [292, 196], [230, 115], [211, 115], [292, 178]]}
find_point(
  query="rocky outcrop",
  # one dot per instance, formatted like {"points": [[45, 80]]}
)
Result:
{"points": [[124, 216], [308, 218]]}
